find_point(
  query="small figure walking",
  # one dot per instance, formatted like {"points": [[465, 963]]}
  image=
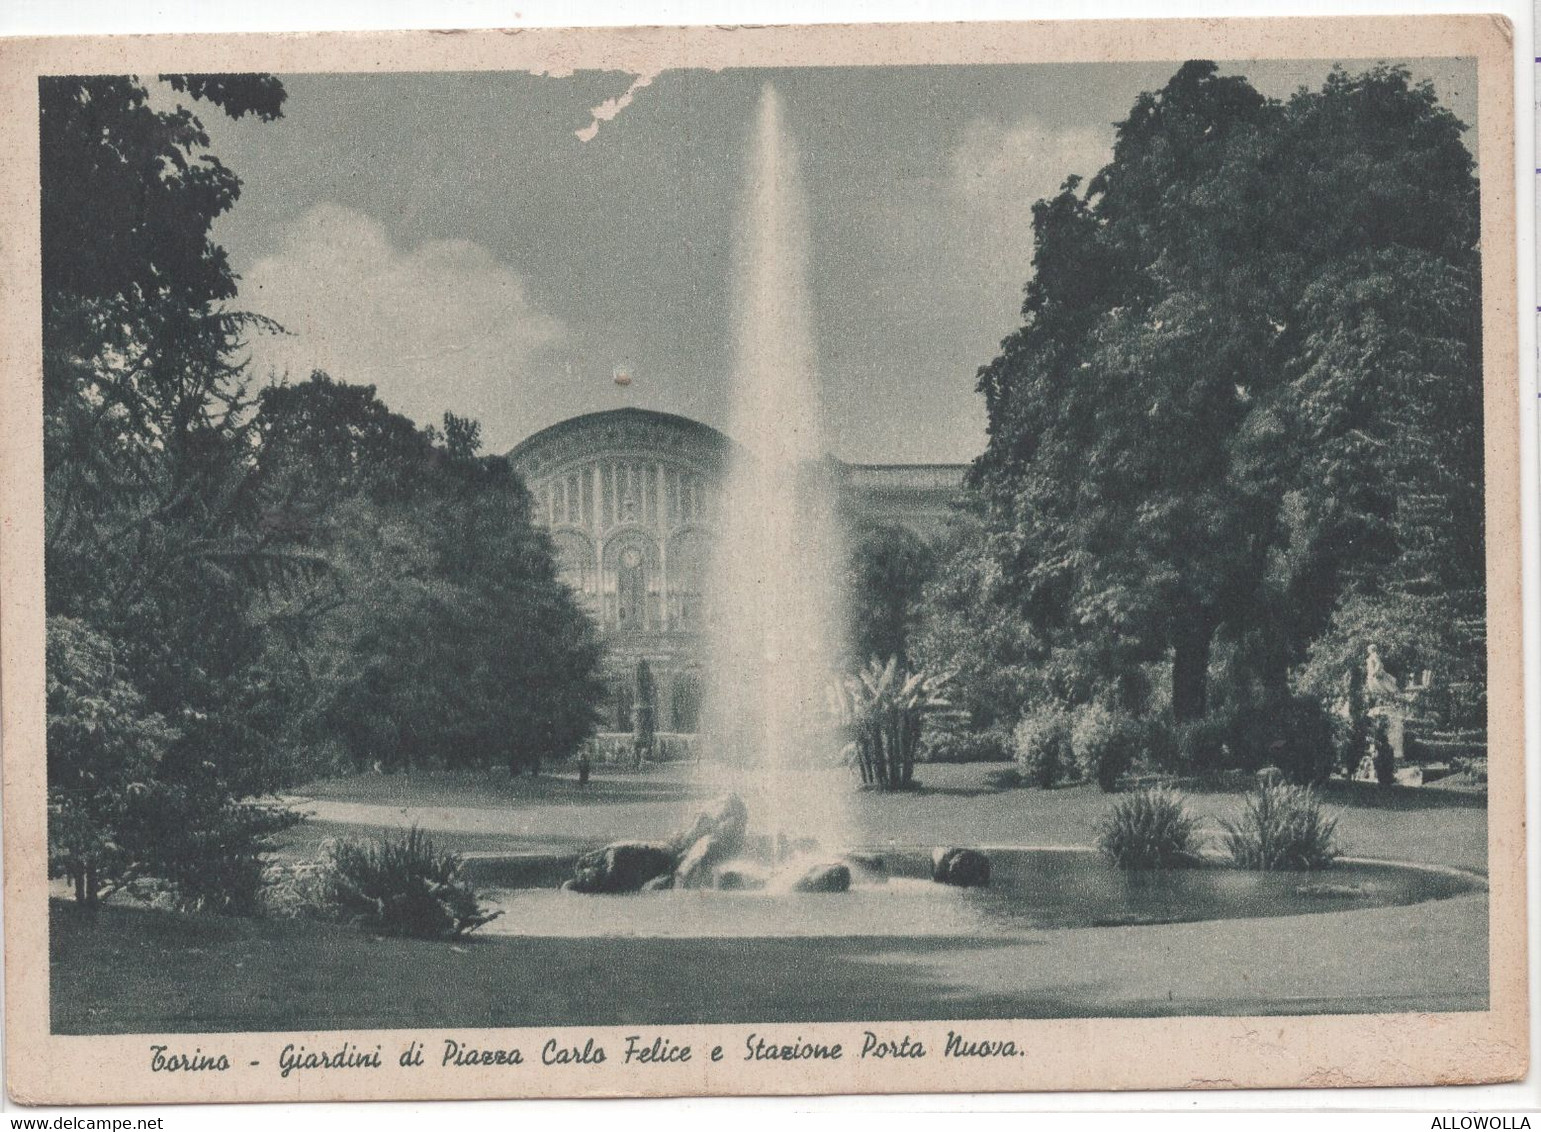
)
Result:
{"points": [[583, 768]]}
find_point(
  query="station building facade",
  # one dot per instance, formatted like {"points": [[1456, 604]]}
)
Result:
{"points": [[631, 499]]}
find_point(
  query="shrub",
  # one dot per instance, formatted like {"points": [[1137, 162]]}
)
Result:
{"points": [[1158, 747], [1042, 741], [1291, 732], [1353, 725], [1150, 829], [403, 886], [104, 745], [216, 862], [298, 891], [1105, 742], [1201, 743], [993, 745], [645, 715], [1473, 770], [116, 815], [1309, 748], [1282, 827]]}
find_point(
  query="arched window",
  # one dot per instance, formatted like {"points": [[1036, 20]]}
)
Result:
{"points": [[631, 589], [631, 582]]}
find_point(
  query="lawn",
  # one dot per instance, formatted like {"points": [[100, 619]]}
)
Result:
{"points": [[140, 971], [956, 803], [129, 970]]}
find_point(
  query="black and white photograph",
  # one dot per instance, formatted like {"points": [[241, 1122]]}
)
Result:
{"points": [[808, 566]]}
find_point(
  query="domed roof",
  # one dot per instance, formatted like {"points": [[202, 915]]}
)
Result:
{"points": [[617, 430]]}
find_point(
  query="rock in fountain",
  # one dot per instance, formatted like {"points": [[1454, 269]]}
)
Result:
{"points": [[684, 861], [717, 835], [622, 867], [868, 868], [965, 868], [824, 878], [741, 877]]}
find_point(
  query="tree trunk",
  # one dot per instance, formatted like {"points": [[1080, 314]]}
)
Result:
{"points": [[1190, 670]]}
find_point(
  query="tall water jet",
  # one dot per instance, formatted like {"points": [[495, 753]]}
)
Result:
{"points": [[774, 593]]}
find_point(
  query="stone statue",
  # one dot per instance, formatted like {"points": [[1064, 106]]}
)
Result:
{"points": [[1378, 683]]}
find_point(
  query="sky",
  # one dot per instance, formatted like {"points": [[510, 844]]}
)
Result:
{"points": [[496, 244]]}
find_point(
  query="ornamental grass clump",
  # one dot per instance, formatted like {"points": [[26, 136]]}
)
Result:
{"points": [[1282, 827], [403, 885], [1151, 829]]}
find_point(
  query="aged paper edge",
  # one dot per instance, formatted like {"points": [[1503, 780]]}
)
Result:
{"points": [[1068, 1055]]}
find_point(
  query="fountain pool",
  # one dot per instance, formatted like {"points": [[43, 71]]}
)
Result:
{"points": [[1030, 890]]}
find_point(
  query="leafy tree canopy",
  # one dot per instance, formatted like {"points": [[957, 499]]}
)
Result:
{"points": [[888, 572], [154, 555], [1248, 383], [440, 632]]}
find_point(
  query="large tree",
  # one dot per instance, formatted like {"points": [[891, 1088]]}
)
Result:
{"points": [[154, 552], [440, 631], [1248, 380]]}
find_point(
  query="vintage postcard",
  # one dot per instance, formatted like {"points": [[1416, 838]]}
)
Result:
{"points": [[761, 560]]}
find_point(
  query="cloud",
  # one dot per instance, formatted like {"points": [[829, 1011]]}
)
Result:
{"points": [[944, 255], [950, 251], [996, 172], [610, 107], [440, 326], [993, 161]]}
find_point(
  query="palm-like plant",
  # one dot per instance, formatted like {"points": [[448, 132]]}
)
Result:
{"points": [[881, 710], [404, 885]]}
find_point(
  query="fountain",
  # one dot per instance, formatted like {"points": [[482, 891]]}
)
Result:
{"points": [[779, 855], [774, 603], [773, 599]]}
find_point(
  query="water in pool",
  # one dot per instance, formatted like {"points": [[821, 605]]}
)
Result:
{"points": [[1029, 890]]}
